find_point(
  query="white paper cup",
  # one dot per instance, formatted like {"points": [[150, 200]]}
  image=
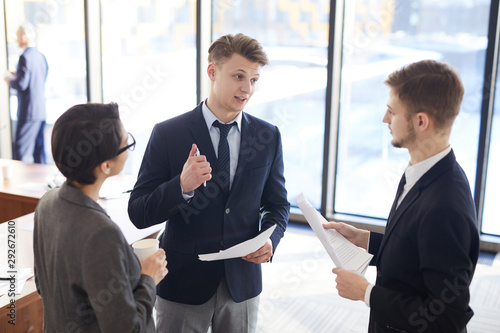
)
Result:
{"points": [[7, 171], [145, 248]]}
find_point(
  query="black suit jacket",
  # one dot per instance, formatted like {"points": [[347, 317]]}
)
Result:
{"points": [[212, 220], [427, 256]]}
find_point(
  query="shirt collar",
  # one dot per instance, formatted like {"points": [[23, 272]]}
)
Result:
{"points": [[210, 117], [414, 172]]}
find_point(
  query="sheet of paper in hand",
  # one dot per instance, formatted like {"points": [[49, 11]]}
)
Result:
{"points": [[241, 249], [343, 253]]}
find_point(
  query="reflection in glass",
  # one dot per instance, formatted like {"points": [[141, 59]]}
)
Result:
{"points": [[291, 91], [379, 37], [61, 38], [148, 64]]}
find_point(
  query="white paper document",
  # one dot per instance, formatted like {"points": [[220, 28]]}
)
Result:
{"points": [[241, 249], [343, 253]]}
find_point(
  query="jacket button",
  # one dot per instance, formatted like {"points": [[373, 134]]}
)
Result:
{"points": [[228, 211]]}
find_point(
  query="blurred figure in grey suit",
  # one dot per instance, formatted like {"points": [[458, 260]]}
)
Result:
{"points": [[29, 81]]}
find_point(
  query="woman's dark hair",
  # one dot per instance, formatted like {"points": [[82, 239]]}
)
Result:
{"points": [[85, 136]]}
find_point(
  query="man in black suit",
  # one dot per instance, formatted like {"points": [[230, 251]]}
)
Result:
{"points": [[216, 175], [29, 81], [427, 256]]}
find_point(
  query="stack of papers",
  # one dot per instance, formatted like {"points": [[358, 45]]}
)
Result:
{"points": [[343, 253], [241, 249], [21, 275]]}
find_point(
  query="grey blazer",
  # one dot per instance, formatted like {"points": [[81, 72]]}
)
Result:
{"points": [[85, 271]]}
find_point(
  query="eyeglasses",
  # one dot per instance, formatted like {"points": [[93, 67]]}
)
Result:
{"points": [[130, 146]]}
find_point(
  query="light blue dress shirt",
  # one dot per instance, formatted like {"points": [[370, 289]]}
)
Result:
{"points": [[233, 138]]}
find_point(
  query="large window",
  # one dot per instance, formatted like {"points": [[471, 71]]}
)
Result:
{"points": [[61, 38], [148, 64], [379, 37], [491, 212], [292, 89]]}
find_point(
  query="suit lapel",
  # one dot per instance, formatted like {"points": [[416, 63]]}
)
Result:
{"points": [[201, 136], [394, 219]]}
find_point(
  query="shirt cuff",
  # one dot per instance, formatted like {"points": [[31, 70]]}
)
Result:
{"points": [[368, 293], [187, 196]]}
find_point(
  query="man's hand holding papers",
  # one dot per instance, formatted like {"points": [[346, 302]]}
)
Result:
{"points": [[350, 284], [254, 250], [345, 245], [343, 253], [358, 237]]}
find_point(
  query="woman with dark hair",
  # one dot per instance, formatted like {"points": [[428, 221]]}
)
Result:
{"points": [[85, 271]]}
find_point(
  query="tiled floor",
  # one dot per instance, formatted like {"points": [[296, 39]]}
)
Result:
{"points": [[300, 296]]}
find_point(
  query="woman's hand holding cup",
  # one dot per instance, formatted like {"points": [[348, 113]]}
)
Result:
{"points": [[153, 260]]}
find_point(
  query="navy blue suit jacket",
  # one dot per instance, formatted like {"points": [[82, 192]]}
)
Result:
{"points": [[31, 75], [212, 220], [427, 256]]}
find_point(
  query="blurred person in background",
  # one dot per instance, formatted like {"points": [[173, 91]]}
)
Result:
{"points": [[29, 81]]}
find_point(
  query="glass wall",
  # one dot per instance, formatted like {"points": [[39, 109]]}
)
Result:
{"points": [[292, 89], [148, 60], [61, 38], [491, 213], [148, 64], [379, 37]]}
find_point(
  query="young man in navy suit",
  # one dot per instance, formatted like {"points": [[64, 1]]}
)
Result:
{"points": [[426, 258], [215, 174], [29, 81]]}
